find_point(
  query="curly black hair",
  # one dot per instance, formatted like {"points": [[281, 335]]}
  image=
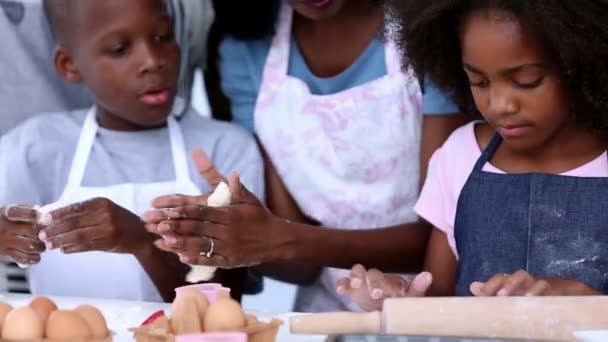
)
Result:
{"points": [[573, 32]]}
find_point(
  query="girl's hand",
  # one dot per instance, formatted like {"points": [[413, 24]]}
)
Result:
{"points": [[95, 225], [19, 241], [369, 288], [521, 283]]}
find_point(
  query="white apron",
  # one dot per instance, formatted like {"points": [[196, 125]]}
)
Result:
{"points": [[99, 274], [351, 159]]}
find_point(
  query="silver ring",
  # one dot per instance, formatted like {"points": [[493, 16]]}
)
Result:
{"points": [[209, 253]]}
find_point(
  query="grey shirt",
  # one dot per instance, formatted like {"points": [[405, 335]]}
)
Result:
{"points": [[36, 157]]}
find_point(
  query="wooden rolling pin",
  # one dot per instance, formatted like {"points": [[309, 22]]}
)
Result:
{"points": [[537, 318]]}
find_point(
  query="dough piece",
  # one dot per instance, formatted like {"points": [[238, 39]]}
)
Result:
{"points": [[219, 198], [45, 218]]}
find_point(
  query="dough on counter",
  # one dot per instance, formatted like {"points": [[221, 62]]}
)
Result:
{"points": [[219, 198]]}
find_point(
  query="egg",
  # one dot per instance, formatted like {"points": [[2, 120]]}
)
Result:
{"points": [[188, 311], [95, 320], [22, 324], [251, 320], [4, 310], [67, 325], [202, 303], [224, 315], [43, 306]]}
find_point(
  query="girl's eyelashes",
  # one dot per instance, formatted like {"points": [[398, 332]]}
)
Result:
{"points": [[521, 85], [529, 85], [479, 84]]}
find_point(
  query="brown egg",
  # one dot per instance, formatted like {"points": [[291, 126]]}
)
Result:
{"points": [[67, 325], [43, 306], [224, 315], [22, 324], [188, 312], [95, 320], [4, 310], [251, 320], [202, 303]]}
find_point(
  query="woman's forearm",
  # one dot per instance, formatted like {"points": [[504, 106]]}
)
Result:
{"points": [[395, 249]]}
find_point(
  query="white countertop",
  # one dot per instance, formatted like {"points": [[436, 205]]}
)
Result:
{"points": [[122, 315]]}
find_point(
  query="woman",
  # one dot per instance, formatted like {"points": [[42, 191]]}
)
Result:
{"points": [[341, 126]]}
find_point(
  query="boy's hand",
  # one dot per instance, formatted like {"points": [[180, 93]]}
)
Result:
{"points": [[95, 225], [19, 241], [521, 283], [369, 288]]}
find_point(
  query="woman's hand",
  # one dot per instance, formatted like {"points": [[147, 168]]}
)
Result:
{"points": [[242, 234], [521, 283], [369, 288], [95, 225]]}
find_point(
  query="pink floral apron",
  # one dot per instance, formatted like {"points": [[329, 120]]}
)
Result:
{"points": [[351, 159]]}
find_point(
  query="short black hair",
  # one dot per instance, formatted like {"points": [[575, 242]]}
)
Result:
{"points": [[573, 33], [58, 13]]}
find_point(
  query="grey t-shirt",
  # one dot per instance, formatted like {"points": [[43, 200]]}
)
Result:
{"points": [[36, 157]]}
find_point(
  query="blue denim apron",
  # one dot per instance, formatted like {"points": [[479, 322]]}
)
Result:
{"points": [[549, 225]]}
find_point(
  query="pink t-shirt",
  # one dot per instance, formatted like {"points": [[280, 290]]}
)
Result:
{"points": [[449, 170]]}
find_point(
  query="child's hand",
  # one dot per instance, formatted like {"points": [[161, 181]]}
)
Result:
{"points": [[95, 225], [369, 288], [521, 283], [19, 241]]}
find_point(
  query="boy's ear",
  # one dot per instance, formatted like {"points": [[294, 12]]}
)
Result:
{"points": [[65, 66]]}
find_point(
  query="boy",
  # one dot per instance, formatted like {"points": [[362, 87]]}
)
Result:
{"points": [[127, 150], [26, 69]]}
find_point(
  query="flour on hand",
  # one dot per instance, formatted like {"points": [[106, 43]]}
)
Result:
{"points": [[45, 218]]}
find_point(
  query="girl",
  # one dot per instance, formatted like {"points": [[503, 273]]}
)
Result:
{"points": [[517, 202], [341, 126]]}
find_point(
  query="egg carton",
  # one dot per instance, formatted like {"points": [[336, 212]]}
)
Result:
{"points": [[256, 332], [107, 339]]}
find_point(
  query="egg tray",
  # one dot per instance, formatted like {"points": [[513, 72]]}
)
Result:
{"points": [[256, 332], [107, 339]]}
